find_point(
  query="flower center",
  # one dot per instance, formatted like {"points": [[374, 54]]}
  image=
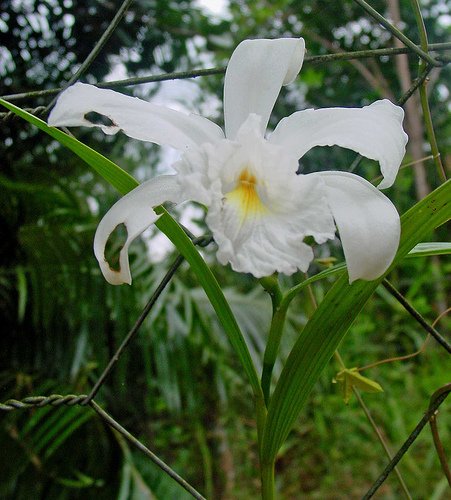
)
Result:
{"points": [[245, 195]]}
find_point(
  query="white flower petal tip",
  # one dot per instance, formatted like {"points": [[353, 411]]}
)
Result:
{"points": [[136, 118], [367, 221], [374, 131], [134, 210], [254, 76], [393, 117], [120, 277]]}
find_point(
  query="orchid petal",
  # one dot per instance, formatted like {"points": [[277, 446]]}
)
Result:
{"points": [[134, 210], [367, 221], [136, 118], [375, 131], [255, 74]]}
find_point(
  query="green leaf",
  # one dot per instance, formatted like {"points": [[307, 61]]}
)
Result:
{"points": [[330, 271], [111, 172], [349, 378], [327, 327], [428, 249]]}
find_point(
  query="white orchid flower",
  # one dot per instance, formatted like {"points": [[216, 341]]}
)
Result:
{"points": [[259, 209]]}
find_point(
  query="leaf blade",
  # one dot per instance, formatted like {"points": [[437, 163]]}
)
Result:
{"points": [[430, 248]]}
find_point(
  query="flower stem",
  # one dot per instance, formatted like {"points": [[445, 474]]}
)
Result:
{"points": [[271, 285], [279, 312], [272, 348], [266, 469], [267, 474]]}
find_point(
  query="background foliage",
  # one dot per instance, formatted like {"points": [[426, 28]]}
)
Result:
{"points": [[178, 386]]}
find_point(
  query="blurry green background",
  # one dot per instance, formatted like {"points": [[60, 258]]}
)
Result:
{"points": [[178, 386]]}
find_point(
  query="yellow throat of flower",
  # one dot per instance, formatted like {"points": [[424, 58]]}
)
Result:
{"points": [[245, 195]]}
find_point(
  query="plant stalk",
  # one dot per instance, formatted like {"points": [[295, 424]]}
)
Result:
{"points": [[272, 348], [266, 469], [267, 474]]}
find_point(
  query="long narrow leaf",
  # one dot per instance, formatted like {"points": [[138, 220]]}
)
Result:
{"points": [[428, 249], [327, 327]]}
